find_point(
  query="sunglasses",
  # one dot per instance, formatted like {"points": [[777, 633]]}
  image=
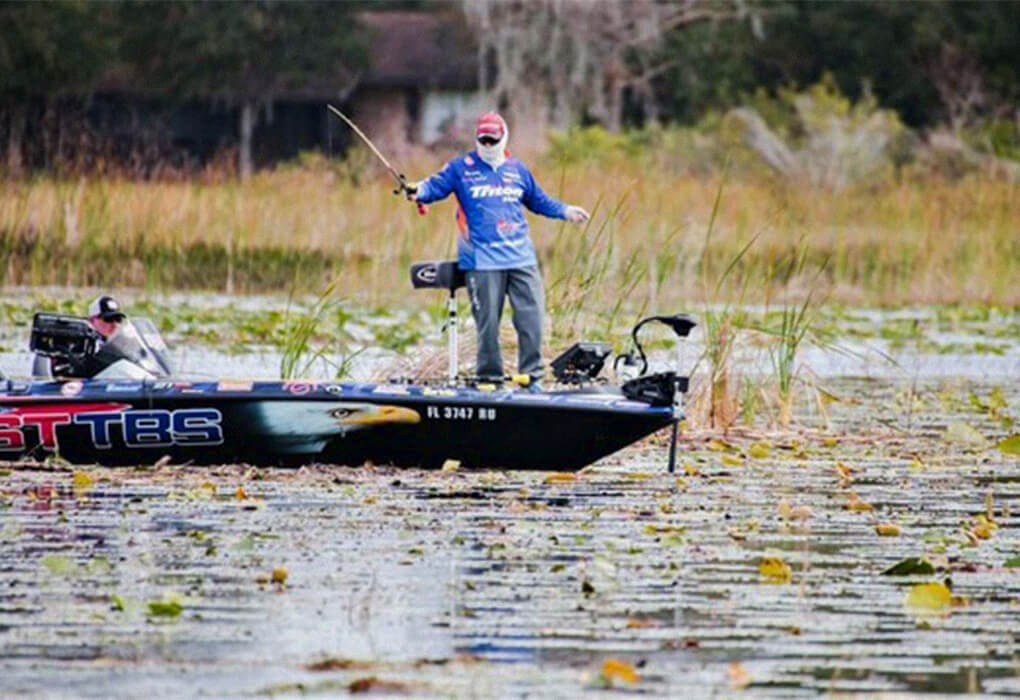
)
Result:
{"points": [[488, 140]]}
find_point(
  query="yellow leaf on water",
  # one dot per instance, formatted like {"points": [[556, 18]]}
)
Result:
{"points": [[560, 478], [784, 509], [279, 575], [732, 460], [691, 470], [888, 529], [635, 623], [616, 670], [758, 450], [717, 445], [82, 480], [1010, 446], [983, 527], [739, 677], [855, 503], [801, 513], [450, 465], [775, 570], [929, 596], [240, 494], [846, 473]]}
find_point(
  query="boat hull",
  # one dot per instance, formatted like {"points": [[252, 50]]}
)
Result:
{"points": [[294, 423]]}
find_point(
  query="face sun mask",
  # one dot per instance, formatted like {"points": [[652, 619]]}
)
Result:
{"points": [[492, 137]]}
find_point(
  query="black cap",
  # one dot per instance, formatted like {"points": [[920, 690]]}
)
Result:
{"points": [[106, 308]]}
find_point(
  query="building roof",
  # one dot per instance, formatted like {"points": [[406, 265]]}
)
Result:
{"points": [[419, 49]]}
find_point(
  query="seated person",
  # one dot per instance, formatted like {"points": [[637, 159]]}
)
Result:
{"points": [[105, 317]]}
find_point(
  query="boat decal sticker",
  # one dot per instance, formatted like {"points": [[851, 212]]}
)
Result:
{"points": [[156, 428], [234, 385], [299, 388], [45, 419], [170, 386], [123, 388], [394, 389], [71, 388], [429, 391]]}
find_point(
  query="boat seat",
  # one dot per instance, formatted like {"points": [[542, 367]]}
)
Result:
{"points": [[437, 275]]}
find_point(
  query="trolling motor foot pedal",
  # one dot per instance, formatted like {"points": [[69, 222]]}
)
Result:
{"points": [[657, 389]]}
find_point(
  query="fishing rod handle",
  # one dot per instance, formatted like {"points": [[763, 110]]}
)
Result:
{"points": [[422, 209]]}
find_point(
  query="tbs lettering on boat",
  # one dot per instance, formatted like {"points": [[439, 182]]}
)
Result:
{"points": [[156, 428], [43, 419], [138, 428]]}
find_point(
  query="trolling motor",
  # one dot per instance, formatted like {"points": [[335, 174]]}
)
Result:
{"points": [[443, 275], [661, 388]]}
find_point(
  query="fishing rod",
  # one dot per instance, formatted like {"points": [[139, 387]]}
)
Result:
{"points": [[398, 176]]}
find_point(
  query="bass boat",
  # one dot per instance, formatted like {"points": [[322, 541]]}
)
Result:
{"points": [[134, 410]]}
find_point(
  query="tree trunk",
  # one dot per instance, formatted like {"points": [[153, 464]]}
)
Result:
{"points": [[18, 116], [246, 129]]}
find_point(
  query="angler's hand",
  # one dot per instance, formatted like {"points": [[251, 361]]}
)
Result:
{"points": [[576, 214], [411, 191]]}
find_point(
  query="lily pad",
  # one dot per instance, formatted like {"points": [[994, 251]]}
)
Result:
{"points": [[59, 565], [165, 608], [963, 434], [1010, 446], [911, 566]]}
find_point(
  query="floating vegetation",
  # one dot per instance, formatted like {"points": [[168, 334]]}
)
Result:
{"points": [[752, 563]]}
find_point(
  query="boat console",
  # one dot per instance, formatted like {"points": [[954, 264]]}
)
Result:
{"points": [[76, 350]]}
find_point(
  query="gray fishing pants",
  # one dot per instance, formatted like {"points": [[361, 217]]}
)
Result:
{"points": [[487, 289]]}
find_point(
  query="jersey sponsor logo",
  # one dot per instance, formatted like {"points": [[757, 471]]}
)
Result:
{"points": [[507, 192], [468, 160], [138, 428]]}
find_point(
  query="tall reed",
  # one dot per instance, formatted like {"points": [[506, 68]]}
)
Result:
{"points": [[913, 241]]}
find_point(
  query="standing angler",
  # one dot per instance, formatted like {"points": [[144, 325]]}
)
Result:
{"points": [[494, 247]]}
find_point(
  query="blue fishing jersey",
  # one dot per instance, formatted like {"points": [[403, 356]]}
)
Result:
{"points": [[494, 231]]}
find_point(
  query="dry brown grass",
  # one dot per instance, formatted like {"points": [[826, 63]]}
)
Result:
{"points": [[930, 241]]}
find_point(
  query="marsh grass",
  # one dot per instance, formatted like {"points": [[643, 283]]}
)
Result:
{"points": [[791, 326], [916, 241], [303, 343]]}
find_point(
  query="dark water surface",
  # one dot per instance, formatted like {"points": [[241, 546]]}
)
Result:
{"points": [[485, 584]]}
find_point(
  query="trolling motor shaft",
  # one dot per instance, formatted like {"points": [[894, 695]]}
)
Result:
{"points": [[443, 275]]}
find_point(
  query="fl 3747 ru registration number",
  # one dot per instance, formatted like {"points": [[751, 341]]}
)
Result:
{"points": [[460, 412]]}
